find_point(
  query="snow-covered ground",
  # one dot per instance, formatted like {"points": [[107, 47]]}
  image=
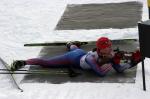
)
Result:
{"points": [[25, 21]]}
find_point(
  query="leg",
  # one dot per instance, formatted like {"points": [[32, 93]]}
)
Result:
{"points": [[71, 58], [57, 61]]}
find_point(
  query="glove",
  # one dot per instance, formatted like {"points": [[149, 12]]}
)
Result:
{"points": [[117, 58], [136, 57], [103, 60], [122, 56]]}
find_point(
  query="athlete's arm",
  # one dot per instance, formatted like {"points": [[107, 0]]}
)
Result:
{"points": [[101, 70]]}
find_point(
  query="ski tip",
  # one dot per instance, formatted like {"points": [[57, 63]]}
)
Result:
{"points": [[21, 90]]}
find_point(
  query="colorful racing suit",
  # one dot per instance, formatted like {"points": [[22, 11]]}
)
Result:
{"points": [[78, 58]]}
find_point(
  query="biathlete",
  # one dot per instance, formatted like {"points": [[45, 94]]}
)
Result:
{"points": [[101, 60]]}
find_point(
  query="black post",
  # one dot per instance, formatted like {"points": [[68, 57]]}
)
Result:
{"points": [[143, 75], [143, 39]]}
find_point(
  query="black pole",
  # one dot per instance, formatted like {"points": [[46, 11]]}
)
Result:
{"points": [[143, 75], [143, 41]]}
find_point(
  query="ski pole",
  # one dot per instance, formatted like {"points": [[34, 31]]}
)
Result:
{"points": [[31, 70], [11, 70], [61, 73], [35, 71], [13, 79]]}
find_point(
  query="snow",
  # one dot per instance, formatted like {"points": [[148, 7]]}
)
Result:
{"points": [[26, 21]]}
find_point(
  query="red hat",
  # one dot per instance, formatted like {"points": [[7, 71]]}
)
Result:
{"points": [[103, 43]]}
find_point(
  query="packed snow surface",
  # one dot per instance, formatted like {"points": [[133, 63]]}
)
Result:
{"points": [[28, 21]]}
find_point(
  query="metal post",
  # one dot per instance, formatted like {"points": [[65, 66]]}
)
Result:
{"points": [[143, 75]]}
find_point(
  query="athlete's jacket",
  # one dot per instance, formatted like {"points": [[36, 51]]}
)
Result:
{"points": [[91, 61]]}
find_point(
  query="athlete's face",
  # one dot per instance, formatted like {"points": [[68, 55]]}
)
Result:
{"points": [[105, 52]]}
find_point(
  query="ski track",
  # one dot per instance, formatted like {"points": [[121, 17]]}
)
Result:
{"points": [[26, 21]]}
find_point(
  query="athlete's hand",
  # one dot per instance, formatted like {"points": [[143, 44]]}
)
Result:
{"points": [[104, 60]]}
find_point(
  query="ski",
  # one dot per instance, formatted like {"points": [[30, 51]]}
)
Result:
{"points": [[30, 70], [5, 71], [11, 74], [64, 73], [60, 43]]}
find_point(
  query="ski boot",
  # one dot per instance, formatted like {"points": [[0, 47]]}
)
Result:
{"points": [[17, 65], [77, 43]]}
